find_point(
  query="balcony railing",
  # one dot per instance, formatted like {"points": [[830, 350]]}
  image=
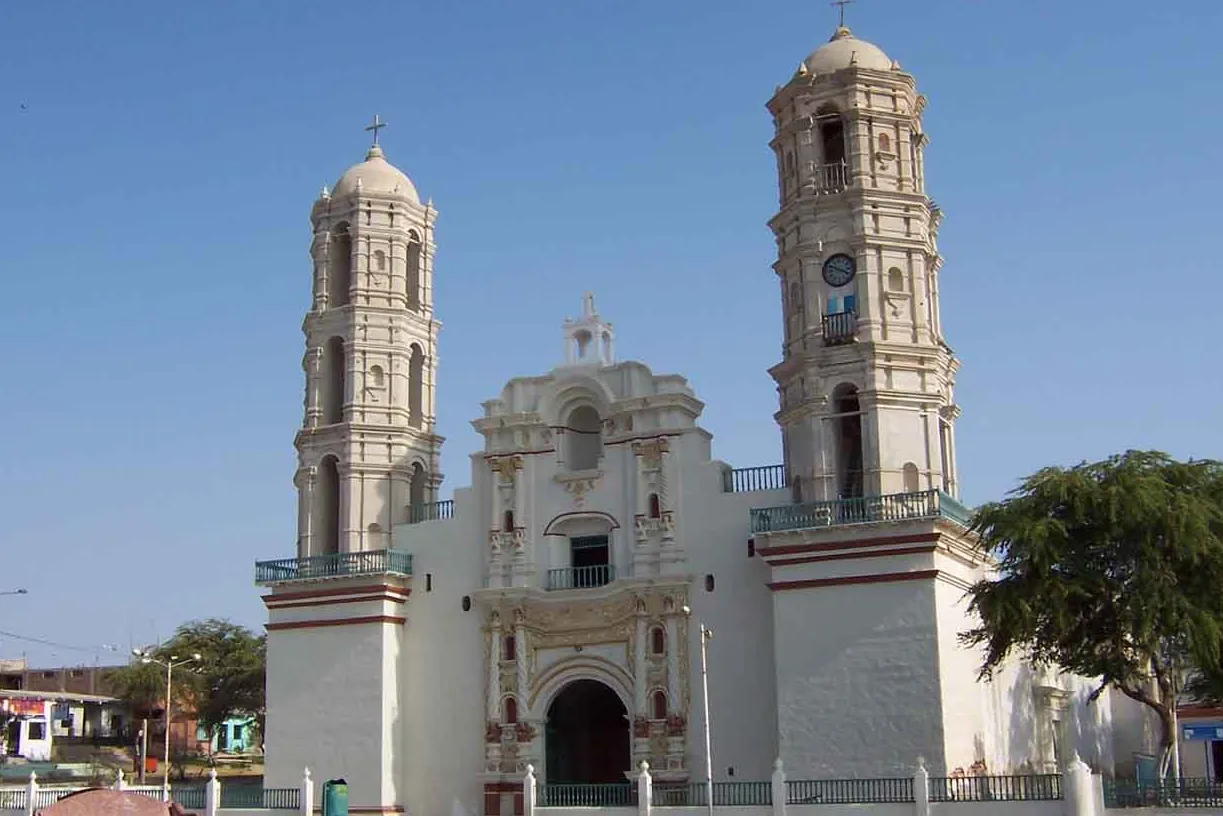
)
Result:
{"points": [[433, 511], [745, 480], [829, 178], [839, 328], [333, 565], [864, 510], [581, 577]]}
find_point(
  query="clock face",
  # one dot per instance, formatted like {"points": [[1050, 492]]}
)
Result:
{"points": [[839, 270]]}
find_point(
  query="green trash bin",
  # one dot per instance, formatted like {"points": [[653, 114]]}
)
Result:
{"points": [[335, 798]]}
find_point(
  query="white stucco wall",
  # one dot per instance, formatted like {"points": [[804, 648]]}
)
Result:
{"points": [[857, 679], [332, 705], [742, 689], [442, 696], [965, 704]]}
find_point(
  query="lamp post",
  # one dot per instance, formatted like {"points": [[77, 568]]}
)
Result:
{"points": [[170, 663], [706, 636]]}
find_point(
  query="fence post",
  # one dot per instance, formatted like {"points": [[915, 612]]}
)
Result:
{"points": [[645, 789], [31, 794], [212, 793], [118, 781], [528, 792], [921, 788], [1078, 790], [779, 788], [306, 801]]}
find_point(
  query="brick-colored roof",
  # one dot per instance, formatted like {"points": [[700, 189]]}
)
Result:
{"points": [[103, 802]]}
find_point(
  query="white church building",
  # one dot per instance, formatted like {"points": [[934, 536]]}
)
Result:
{"points": [[427, 650]]}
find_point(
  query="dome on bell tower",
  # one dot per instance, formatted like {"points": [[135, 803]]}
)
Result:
{"points": [[844, 50], [376, 175]]}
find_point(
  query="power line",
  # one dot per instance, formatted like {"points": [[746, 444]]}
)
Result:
{"points": [[51, 643]]}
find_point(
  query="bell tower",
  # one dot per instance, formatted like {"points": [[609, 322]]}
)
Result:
{"points": [[866, 380], [870, 561], [367, 451]]}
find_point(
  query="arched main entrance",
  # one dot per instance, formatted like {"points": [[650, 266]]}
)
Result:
{"points": [[587, 736]]}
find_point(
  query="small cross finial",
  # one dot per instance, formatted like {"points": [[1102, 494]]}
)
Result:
{"points": [[377, 125], [842, 4]]}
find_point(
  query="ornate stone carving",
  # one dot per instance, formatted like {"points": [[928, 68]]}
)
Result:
{"points": [[641, 728], [651, 450], [579, 486], [524, 732], [577, 616], [492, 733], [677, 725], [645, 528], [513, 541]]}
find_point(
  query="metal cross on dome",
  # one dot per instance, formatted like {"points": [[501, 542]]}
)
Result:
{"points": [[377, 125], [842, 4]]}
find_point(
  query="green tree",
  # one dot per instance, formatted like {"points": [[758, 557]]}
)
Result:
{"points": [[228, 680], [1109, 570], [142, 686]]}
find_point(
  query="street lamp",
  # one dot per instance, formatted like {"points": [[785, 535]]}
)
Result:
{"points": [[170, 662], [706, 636]]}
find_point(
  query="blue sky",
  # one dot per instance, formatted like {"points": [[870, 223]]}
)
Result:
{"points": [[161, 172]]}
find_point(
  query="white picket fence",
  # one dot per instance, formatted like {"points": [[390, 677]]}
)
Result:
{"points": [[32, 797]]}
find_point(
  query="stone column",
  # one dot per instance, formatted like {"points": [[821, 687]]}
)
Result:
{"points": [[31, 794], [494, 467], [1078, 789], [521, 664], [344, 475], [314, 375], [639, 664], [921, 789], [517, 477], [645, 790], [307, 795], [212, 793], [494, 669], [528, 792], [305, 510], [779, 788], [639, 483]]}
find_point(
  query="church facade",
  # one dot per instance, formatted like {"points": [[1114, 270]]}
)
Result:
{"points": [[552, 613]]}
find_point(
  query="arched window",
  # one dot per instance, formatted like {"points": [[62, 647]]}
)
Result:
{"points": [[583, 438], [912, 480], [340, 267], [658, 705], [333, 381], [509, 648], [379, 260], [373, 537], [655, 506], [327, 507], [507, 523], [832, 135], [849, 441], [416, 387], [658, 641], [885, 143], [376, 376], [509, 711], [416, 490], [896, 279], [413, 272]]}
